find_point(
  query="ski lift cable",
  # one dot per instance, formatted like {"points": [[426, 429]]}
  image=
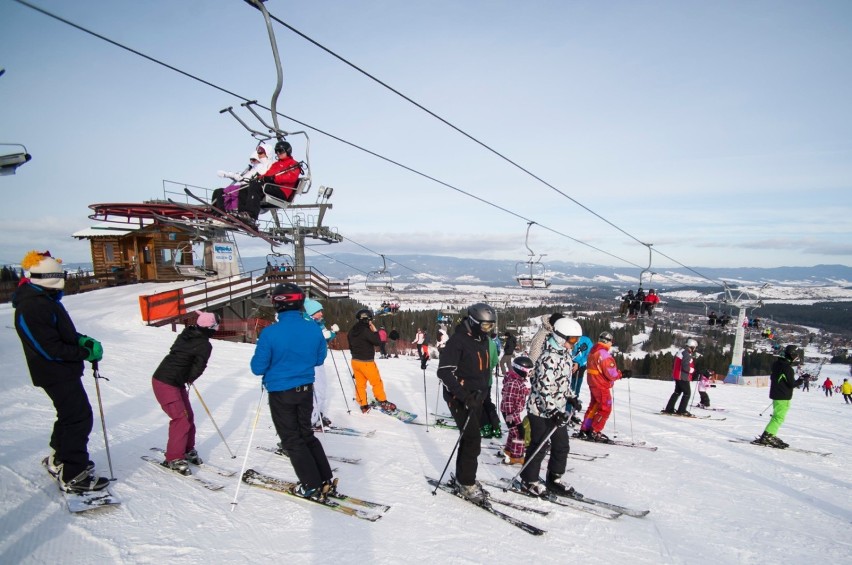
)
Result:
{"points": [[453, 126], [346, 142]]}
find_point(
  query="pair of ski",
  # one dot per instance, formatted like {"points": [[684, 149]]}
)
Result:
{"points": [[278, 451], [637, 444], [402, 415], [84, 501], [692, 416], [574, 500], [709, 408], [439, 423], [210, 212], [796, 449], [572, 455], [203, 481], [335, 501], [343, 431]]}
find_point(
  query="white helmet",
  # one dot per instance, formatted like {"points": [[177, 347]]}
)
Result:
{"points": [[566, 327], [691, 343]]}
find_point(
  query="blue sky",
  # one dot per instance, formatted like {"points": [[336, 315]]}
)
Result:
{"points": [[719, 131]]}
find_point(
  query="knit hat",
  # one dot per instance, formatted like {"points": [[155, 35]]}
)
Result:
{"points": [[312, 306], [207, 320], [44, 270]]}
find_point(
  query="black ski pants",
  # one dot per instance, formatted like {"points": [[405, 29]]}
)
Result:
{"points": [[681, 387], [470, 442], [291, 415], [74, 420], [559, 447]]}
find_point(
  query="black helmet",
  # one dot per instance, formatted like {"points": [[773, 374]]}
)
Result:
{"points": [[553, 317], [791, 352], [522, 365], [283, 147], [605, 336], [482, 317], [288, 296], [363, 315]]}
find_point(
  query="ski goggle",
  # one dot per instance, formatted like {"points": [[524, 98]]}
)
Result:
{"points": [[62, 275], [486, 326]]}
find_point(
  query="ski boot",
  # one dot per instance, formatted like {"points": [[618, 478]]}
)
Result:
{"points": [[485, 431], [496, 432], [598, 437], [387, 406], [764, 439], [191, 456], [535, 488], [330, 486], [509, 460], [365, 408], [555, 485], [86, 481], [667, 411], [775, 441], [326, 422], [319, 493], [684, 413], [178, 465], [474, 493]]}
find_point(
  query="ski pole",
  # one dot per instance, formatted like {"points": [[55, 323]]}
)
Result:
{"points": [[614, 427], [425, 401], [458, 441], [348, 367], [692, 393], [330, 354], [248, 449], [97, 376], [629, 410], [206, 409], [530, 458], [765, 409]]}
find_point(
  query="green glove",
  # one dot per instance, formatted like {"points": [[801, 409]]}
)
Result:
{"points": [[93, 346]]}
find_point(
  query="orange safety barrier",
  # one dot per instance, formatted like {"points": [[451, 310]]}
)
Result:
{"points": [[162, 305]]}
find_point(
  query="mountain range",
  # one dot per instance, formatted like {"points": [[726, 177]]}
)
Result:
{"points": [[453, 270]]}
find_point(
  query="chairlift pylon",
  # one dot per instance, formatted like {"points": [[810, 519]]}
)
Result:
{"points": [[532, 272]]}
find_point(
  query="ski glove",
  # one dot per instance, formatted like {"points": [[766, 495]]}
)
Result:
{"points": [[268, 179], [93, 347], [576, 403], [560, 419], [472, 399]]}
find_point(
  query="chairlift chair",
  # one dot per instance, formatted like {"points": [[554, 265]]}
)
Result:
{"points": [[189, 270], [531, 273], [379, 280], [10, 161]]}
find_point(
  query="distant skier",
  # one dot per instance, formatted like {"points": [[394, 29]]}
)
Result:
{"points": [[650, 302], [846, 391], [184, 363], [464, 372], [682, 371], [363, 340], [782, 382], [55, 353], [516, 389], [286, 354], [703, 385], [828, 386], [602, 373], [319, 416]]}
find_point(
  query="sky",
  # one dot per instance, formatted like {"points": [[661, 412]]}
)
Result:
{"points": [[711, 501], [717, 132]]}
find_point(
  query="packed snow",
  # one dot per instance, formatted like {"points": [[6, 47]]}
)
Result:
{"points": [[710, 500]]}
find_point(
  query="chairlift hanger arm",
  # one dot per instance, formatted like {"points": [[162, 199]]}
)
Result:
{"points": [[280, 75]]}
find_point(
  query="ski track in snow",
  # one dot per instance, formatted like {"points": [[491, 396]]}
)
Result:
{"points": [[711, 501]]}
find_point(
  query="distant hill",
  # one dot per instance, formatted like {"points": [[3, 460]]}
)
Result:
{"points": [[452, 270]]}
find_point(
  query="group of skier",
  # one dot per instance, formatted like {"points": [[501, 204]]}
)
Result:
{"points": [[290, 355], [640, 303]]}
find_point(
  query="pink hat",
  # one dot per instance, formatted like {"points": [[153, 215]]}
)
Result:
{"points": [[207, 320]]}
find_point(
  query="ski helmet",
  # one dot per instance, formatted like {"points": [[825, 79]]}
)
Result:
{"points": [[691, 343], [363, 315], [482, 317], [312, 306], [791, 352], [605, 336], [288, 296], [567, 328], [522, 365], [283, 147]]}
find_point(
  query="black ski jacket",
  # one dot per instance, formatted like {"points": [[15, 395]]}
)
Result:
{"points": [[48, 335], [187, 358], [363, 342], [782, 380], [465, 362]]}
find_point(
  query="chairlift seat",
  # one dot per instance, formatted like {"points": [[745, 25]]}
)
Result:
{"points": [[278, 196], [195, 271]]}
